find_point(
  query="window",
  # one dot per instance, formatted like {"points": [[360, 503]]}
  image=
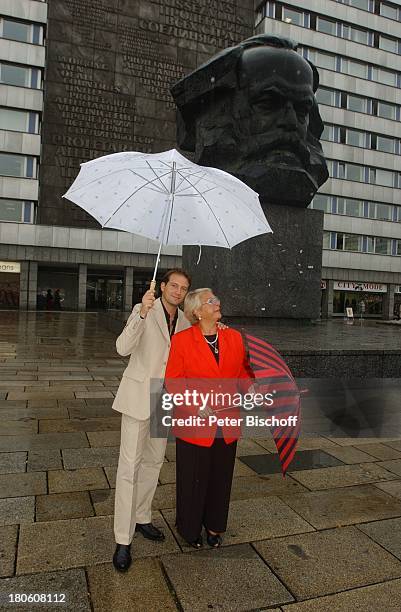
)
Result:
{"points": [[328, 133], [391, 12], [398, 247], [356, 69], [382, 246], [384, 212], [355, 138], [295, 17], [386, 77], [16, 211], [385, 144], [339, 242], [356, 104], [326, 26], [17, 165], [352, 242], [388, 44], [360, 4], [348, 242], [353, 208], [330, 167], [326, 240], [324, 60], [23, 32], [359, 36], [387, 111], [351, 172], [322, 202], [21, 76], [326, 96], [383, 177], [19, 121], [265, 10]]}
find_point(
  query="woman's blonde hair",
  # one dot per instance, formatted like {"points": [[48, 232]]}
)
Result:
{"points": [[193, 301]]}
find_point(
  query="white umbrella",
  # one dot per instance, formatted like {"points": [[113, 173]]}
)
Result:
{"points": [[166, 197]]}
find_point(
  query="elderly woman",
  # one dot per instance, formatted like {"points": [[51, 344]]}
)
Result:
{"points": [[205, 458]]}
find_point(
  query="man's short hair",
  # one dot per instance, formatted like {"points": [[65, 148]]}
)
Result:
{"points": [[179, 271]]}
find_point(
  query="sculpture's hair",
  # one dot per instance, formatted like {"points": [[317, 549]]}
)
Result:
{"points": [[193, 301], [221, 74]]}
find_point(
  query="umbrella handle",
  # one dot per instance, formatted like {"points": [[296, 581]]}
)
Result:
{"points": [[152, 285]]}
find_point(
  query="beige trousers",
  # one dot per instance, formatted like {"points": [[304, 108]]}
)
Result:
{"points": [[141, 458]]}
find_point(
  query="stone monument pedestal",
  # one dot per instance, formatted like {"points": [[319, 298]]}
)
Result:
{"points": [[273, 276]]}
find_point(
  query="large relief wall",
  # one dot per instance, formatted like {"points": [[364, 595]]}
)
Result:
{"points": [[110, 64]]}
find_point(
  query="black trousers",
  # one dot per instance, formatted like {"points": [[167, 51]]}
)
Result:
{"points": [[204, 477]]}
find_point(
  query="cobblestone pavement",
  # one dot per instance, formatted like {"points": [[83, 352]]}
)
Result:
{"points": [[326, 538]]}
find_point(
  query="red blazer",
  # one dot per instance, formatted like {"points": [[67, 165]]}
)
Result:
{"points": [[191, 358]]}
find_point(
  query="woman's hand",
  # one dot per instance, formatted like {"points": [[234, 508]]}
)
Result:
{"points": [[205, 412], [221, 325]]}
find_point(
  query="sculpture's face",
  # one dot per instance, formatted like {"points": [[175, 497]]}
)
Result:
{"points": [[275, 99], [259, 130]]}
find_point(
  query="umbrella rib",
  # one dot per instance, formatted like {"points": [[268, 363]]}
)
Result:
{"points": [[212, 211], [152, 169], [231, 193], [115, 172], [171, 214], [95, 180], [126, 200], [184, 178]]}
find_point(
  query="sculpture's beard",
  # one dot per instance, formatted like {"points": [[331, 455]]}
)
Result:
{"points": [[287, 149], [281, 166]]}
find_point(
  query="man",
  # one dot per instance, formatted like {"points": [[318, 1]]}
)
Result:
{"points": [[146, 338], [251, 110]]}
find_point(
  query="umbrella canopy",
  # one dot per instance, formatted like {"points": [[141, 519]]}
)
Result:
{"points": [[273, 374], [166, 197]]}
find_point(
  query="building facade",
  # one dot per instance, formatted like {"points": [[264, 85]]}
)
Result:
{"points": [[356, 46], [80, 79], [22, 63]]}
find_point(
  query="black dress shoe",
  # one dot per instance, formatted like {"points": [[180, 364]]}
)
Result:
{"points": [[213, 539], [149, 531], [122, 557], [198, 543]]}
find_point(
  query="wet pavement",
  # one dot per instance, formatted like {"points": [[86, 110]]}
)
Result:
{"points": [[326, 538], [325, 335]]}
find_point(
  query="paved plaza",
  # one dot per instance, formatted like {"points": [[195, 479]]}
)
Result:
{"points": [[327, 538]]}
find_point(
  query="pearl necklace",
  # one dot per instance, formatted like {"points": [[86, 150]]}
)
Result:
{"points": [[213, 343]]}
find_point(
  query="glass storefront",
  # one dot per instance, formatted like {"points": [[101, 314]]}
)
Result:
{"points": [[57, 288], [397, 306], [104, 292], [362, 303]]}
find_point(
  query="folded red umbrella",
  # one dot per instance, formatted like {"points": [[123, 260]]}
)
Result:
{"points": [[274, 376]]}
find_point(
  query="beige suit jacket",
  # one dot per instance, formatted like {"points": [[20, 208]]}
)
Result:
{"points": [[147, 341]]}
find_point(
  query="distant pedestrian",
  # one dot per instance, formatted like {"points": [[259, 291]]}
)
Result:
{"points": [[57, 300], [49, 300]]}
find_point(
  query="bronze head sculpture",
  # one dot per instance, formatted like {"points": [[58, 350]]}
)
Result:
{"points": [[251, 110]]}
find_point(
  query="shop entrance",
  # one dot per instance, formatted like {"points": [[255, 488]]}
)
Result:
{"points": [[9, 290], [104, 293], [362, 303]]}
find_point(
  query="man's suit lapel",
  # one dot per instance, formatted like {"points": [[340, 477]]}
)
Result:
{"points": [[182, 322], [161, 319]]}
